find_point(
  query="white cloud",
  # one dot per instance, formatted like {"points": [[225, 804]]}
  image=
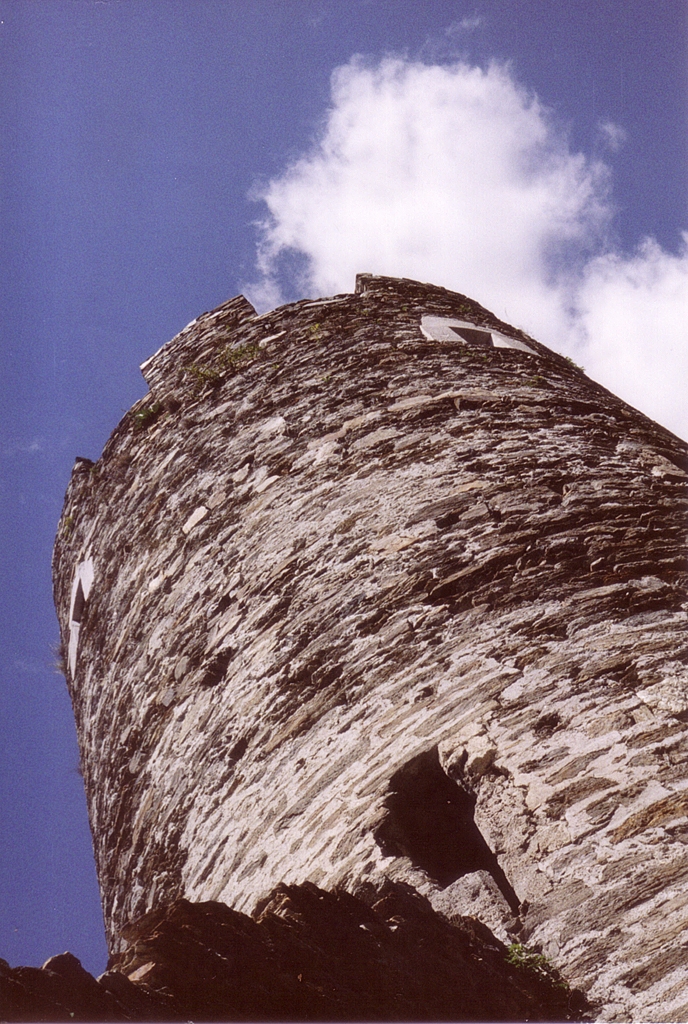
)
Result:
{"points": [[612, 135], [23, 447], [464, 25], [457, 175], [634, 312]]}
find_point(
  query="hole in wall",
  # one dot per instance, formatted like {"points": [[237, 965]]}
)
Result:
{"points": [[223, 604], [556, 484], [238, 750], [483, 339], [429, 819], [215, 671], [547, 723]]}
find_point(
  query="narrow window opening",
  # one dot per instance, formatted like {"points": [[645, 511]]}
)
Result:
{"points": [[430, 820], [79, 604]]}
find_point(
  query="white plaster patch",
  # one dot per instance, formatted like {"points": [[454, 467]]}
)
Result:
{"points": [[501, 341], [84, 577], [442, 328], [81, 588], [73, 645]]}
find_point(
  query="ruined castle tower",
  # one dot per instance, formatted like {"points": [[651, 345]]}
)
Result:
{"points": [[379, 586]]}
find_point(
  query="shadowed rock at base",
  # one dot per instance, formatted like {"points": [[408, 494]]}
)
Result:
{"points": [[306, 955]]}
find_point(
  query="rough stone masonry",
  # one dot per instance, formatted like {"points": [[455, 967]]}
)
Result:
{"points": [[380, 587]]}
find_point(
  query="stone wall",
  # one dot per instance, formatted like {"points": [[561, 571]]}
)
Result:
{"points": [[371, 595]]}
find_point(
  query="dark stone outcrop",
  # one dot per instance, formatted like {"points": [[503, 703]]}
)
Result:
{"points": [[61, 990], [306, 955]]}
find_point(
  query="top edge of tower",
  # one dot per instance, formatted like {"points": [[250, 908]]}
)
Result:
{"points": [[218, 343], [191, 343]]}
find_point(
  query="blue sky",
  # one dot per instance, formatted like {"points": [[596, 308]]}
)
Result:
{"points": [[159, 156]]}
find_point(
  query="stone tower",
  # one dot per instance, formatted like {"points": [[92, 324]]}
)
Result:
{"points": [[380, 586]]}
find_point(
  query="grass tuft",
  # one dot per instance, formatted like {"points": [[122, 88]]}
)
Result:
{"points": [[535, 964]]}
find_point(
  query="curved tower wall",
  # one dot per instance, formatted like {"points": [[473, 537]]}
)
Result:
{"points": [[350, 544]]}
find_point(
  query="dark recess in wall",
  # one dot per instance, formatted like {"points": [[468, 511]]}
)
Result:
{"points": [[430, 820]]}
